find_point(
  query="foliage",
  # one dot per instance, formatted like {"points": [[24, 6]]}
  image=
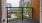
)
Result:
{"points": [[19, 17], [9, 15], [14, 19], [29, 11], [19, 14], [28, 4]]}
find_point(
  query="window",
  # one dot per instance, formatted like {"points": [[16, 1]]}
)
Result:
{"points": [[18, 10]]}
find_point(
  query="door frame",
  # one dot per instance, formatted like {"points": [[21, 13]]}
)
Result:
{"points": [[0, 12], [33, 5], [3, 11]]}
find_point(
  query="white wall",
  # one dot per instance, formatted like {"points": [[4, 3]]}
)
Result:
{"points": [[4, 15], [40, 11], [41, 5]]}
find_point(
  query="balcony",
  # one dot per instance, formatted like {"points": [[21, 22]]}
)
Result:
{"points": [[20, 15]]}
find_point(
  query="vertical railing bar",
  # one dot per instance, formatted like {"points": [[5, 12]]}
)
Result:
{"points": [[32, 12], [7, 15], [28, 4], [22, 13]]}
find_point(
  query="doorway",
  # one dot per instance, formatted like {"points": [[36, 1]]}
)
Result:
{"points": [[22, 9], [18, 10]]}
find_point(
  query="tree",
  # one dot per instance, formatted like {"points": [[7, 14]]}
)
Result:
{"points": [[29, 10]]}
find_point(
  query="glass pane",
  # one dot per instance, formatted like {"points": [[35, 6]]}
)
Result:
{"points": [[27, 13], [14, 14]]}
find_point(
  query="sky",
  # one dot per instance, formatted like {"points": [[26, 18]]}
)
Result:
{"points": [[14, 3]]}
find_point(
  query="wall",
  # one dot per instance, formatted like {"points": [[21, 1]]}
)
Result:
{"points": [[40, 11], [36, 8], [4, 14]]}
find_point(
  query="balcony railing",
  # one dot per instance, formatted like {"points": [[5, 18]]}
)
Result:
{"points": [[23, 11]]}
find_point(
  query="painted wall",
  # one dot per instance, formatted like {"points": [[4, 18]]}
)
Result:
{"points": [[4, 14], [40, 11], [36, 8]]}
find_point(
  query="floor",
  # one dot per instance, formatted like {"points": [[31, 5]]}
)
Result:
{"points": [[30, 20]]}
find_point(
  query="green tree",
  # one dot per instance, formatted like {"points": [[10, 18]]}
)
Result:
{"points": [[29, 10], [28, 4]]}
